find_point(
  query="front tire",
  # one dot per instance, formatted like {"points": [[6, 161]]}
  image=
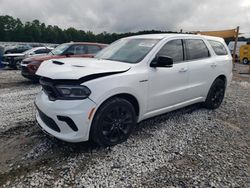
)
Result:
{"points": [[215, 95], [18, 65], [113, 122]]}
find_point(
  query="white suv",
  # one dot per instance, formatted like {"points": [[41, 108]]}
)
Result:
{"points": [[133, 79]]}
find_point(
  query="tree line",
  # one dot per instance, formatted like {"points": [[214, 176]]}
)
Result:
{"points": [[13, 29]]}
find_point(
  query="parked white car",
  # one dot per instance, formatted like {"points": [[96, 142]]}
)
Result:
{"points": [[131, 80], [14, 60]]}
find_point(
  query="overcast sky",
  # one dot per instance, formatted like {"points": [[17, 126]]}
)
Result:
{"points": [[133, 15]]}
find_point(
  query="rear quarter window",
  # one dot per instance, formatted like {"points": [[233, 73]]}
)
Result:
{"points": [[218, 47], [196, 49]]}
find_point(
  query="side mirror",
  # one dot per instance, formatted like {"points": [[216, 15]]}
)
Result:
{"points": [[162, 61]]}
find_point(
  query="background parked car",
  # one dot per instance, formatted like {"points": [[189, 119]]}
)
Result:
{"points": [[245, 54], [1, 54], [14, 60], [20, 48], [29, 66]]}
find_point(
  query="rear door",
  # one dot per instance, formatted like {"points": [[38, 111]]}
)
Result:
{"points": [[201, 67]]}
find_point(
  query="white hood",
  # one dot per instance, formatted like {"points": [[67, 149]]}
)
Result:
{"points": [[76, 68]]}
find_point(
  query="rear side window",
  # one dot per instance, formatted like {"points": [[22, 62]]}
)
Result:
{"points": [[173, 49], [93, 49], [218, 47], [196, 49]]}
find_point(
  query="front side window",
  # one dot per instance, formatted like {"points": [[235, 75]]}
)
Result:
{"points": [[218, 47], [128, 50], [196, 49], [173, 49], [77, 49]]}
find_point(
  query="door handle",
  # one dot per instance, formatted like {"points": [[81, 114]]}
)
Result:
{"points": [[213, 65], [183, 70]]}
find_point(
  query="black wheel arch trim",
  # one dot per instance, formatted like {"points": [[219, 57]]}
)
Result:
{"points": [[222, 77]]}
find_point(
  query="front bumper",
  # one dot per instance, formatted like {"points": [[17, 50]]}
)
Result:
{"points": [[27, 74], [50, 113]]}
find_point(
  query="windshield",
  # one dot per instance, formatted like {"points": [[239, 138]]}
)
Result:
{"points": [[60, 49], [129, 50]]}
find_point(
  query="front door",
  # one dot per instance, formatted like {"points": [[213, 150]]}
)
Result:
{"points": [[168, 85]]}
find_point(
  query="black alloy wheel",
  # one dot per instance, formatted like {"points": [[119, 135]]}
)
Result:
{"points": [[215, 95], [113, 123]]}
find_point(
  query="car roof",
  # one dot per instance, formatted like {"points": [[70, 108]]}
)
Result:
{"points": [[169, 35], [41, 47]]}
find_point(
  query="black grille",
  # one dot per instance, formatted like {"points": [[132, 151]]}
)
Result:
{"points": [[7, 59], [48, 121], [4, 58]]}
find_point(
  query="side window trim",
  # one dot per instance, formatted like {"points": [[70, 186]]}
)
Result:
{"points": [[184, 50]]}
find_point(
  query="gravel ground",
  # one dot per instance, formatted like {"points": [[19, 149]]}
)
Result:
{"points": [[190, 147]]}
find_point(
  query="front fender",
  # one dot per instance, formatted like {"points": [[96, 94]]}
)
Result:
{"points": [[117, 91]]}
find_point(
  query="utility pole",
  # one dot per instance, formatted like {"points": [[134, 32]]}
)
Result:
{"points": [[235, 45]]}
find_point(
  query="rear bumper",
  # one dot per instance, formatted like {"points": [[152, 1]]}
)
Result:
{"points": [[58, 118]]}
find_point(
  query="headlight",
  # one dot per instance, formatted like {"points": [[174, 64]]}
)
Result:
{"points": [[73, 91]]}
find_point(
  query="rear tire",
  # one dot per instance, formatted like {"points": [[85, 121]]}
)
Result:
{"points": [[245, 61], [215, 95], [113, 122]]}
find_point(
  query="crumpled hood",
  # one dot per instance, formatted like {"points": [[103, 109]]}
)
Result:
{"points": [[79, 68]]}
